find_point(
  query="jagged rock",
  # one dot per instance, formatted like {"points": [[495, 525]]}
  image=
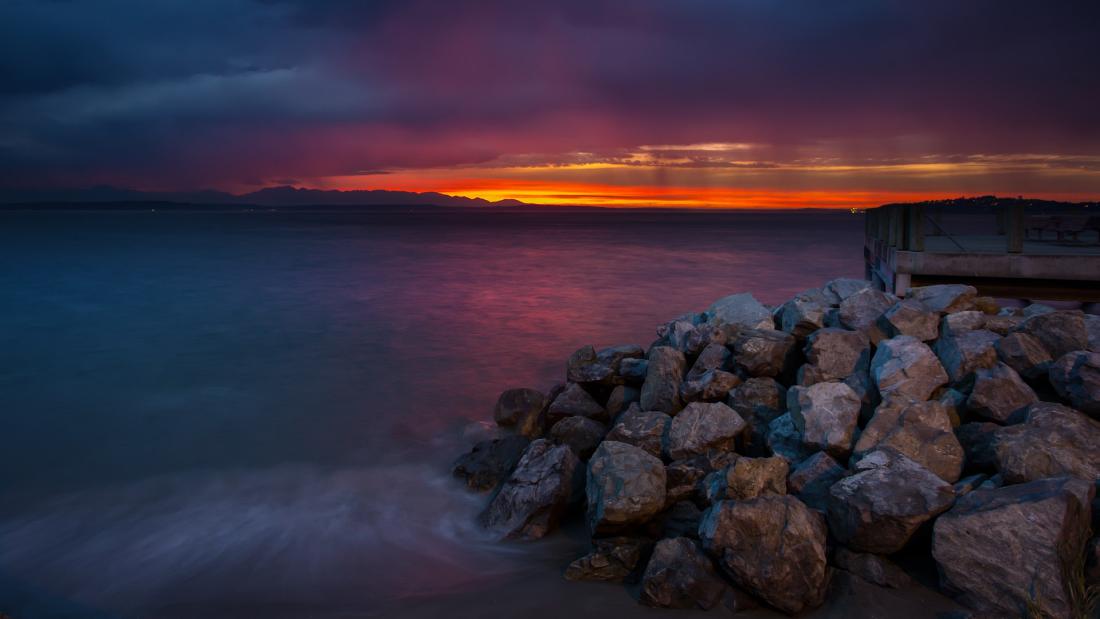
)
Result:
{"points": [[612, 559], [643, 429], [712, 386], [1053, 440], [1059, 332], [1008, 550], [708, 334], [742, 310], [712, 357], [678, 333], [686, 477], [825, 415], [633, 371], [682, 520], [574, 401], [811, 479], [906, 366], [580, 434], [843, 287], [945, 298], [863, 386], [702, 427], [910, 317], [620, 399], [977, 440], [490, 462], [998, 393], [585, 367], [1076, 378], [1036, 309], [1025, 354], [954, 403], [748, 478], [661, 390], [679, 575], [758, 400], [987, 305], [772, 546], [804, 314], [521, 409], [626, 486], [613, 356], [785, 440], [961, 322], [872, 568], [764, 352], [533, 499], [969, 484], [879, 507], [1002, 325], [861, 310], [1092, 327], [920, 430], [835, 354], [963, 353]]}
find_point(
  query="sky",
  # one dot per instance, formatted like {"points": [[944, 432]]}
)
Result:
{"points": [[755, 103]]}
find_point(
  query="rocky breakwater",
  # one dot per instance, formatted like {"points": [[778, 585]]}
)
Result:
{"points": [[751, 453]]}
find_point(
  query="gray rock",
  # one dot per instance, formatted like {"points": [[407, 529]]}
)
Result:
{"points": [[620, 399], [860, 311], [954, 403], [613, 356], [945, 298], [1092, 327], [758, 400], [742, 310], [1053, 440], [872, 568], [771, 546], [1076, 378], [811, 479], [574, 401], [910, 317], [612, 559], [905, 366], [836, 354], [678, 334], [490, 462], [702, 427], [961, 322], [521, 409], [1005, 550], [843, 287], [1002, 325], [969, 484], [633, 371], [785, 440], [685, 477], [764, 352], [580, 434], [679, 575], [533, 499], [712, 386], [1035, 309], [643, 429], [712, 357], [1059, 332], [921, 431], [707, 334], [584, 366], [626, 486], [804, 314], [864, 387], [963, 353], [661, 390], [879, 507], [1025, 354], [748, 478], [998, 393], [825, 415]]}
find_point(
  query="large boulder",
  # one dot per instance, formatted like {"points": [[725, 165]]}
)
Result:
{"points": [[712, 386], [679, 575], [1010, 551], [872, 568], [686, 477], [1053, 440], [960, 322], [712, 357], [803, 314], [703, 427], [910, 317], [999, 393], [533, 499], [748, 478], [626, 486], [861, 310], [1076, 378], [741, 310], [633, 371], [785, 440], [771, 546], [764, 352], [906, 366], [490, 462], [643, 429], [584, 366], [521, 409], [612, 559], [826, 415], [834, 354], [811, 479], [1025, 354], [945, 298], [758, 400], [704, 335], [574, 401], [843, 287], [580, 434], [963, 353], [920, 430], [620, 398], [664, 373], [1060, 332], [883, 503]]}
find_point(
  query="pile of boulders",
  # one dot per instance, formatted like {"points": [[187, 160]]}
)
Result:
{"points": [[750, 452]]}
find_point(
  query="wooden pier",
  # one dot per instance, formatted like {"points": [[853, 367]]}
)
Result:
{"points": [[1006, 248]]}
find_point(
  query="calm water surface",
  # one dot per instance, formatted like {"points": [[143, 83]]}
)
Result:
{"points": [[253, 414]]}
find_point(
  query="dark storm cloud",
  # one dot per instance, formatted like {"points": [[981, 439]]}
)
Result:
{"points": [[196, 92]]}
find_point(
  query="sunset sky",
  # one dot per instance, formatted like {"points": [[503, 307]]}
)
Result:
{"points": [[636, 102]]}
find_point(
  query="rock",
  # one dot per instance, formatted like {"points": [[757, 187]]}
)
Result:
{"points": [[921, 431], [1036, 309], [620, 399], [836, 354], [771, 546], [522, 410], [1059, 332], [748, 478], [585, 367], [574, 401], [1076, 378], [1007, 552], [1025, 354], [954, 403], [864, 388], [879, 507], [685, 477], [661, 390], [713, 386], [961, 322], [741, 310], [580, 434], [804, 314], [679, 575], [1092, 562], [643, 429], [490, 462], [843, 287], [712, 357], [626, 486], [612, 559], [633, 371], [1002, 325], [987, 305], [969, 484], [963, 353], [533, 499], [1053, 440], [785, 440], [1092, 327], [905, 366], [764, 352], [707, 334], [910, 317], [825, 415], [998, 393], [977, 440], [614, 356], [860, 311], [811, 479], [945, 298], [758, 400], [682, 520], [702, 427], [872, 568]]}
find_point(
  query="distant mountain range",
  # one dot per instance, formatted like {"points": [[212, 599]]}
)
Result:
{"points": [[269, 196]]}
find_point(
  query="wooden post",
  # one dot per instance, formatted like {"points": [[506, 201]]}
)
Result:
{"points": [[1014, 227], [916, 228]]}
